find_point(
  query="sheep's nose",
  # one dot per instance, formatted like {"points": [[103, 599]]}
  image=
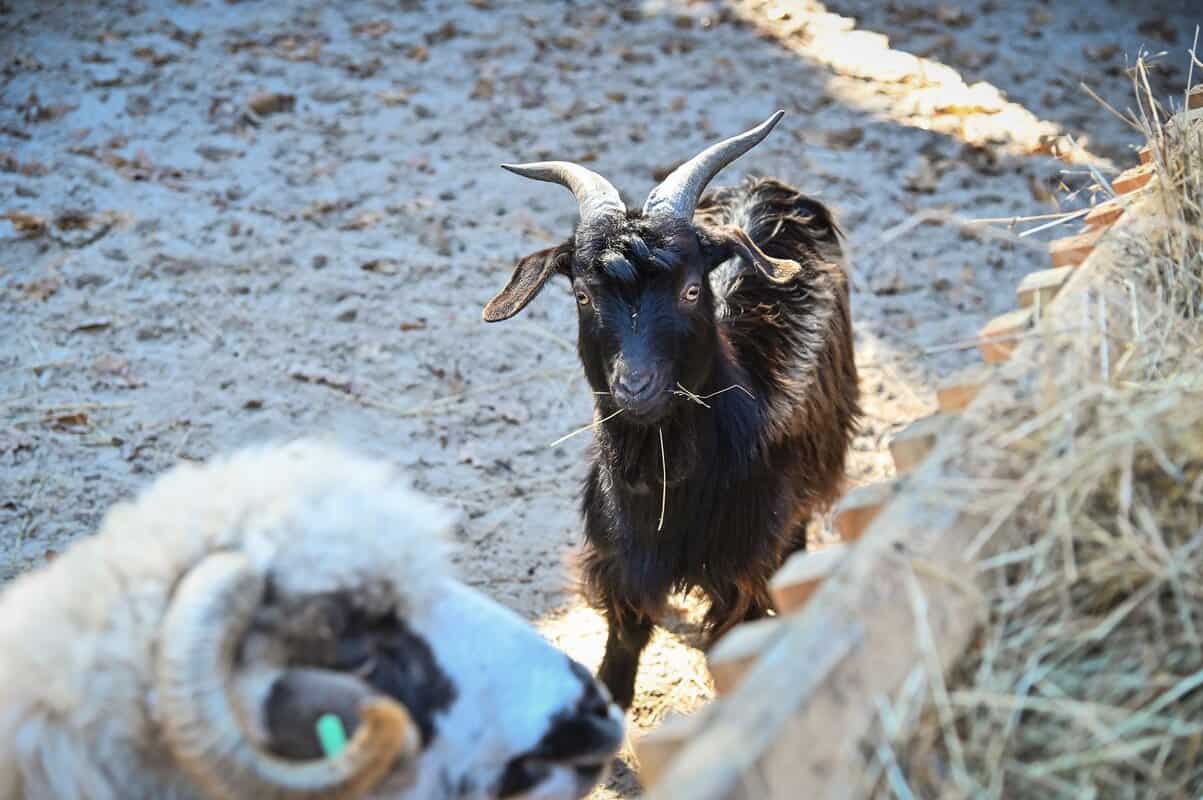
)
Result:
{"points": [[634, 386], [582, 738]]}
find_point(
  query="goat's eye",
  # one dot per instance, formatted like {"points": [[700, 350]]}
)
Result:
{"points": [[692, 293], [582, 297]]}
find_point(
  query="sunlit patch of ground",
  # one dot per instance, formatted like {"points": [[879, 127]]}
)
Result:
{"points": [[905, 88]]}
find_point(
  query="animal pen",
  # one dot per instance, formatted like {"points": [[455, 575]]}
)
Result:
{"points": [[1016, 613]]}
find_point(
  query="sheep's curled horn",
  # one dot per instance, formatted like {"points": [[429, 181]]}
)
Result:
{"points": [[676, 196], [209, 614]]}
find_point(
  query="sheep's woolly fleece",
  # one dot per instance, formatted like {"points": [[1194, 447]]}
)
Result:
{"points": [[79, 634]]}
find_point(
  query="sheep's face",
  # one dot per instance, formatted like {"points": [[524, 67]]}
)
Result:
{"points": [[499, 712], [521, 719], [330, 593]]}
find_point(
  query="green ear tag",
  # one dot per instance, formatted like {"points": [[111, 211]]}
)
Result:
{"points": [[331, 734]]}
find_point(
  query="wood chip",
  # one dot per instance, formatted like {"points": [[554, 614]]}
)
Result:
{"points": [[26, 224], [265, 103], [321, 378], [66, 421]]}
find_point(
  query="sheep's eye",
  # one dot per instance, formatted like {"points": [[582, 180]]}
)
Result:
{"points": [[692, 293], [582, 297]]}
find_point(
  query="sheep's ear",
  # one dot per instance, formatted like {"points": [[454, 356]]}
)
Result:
{"points": [[720, 242], [528, 278]]}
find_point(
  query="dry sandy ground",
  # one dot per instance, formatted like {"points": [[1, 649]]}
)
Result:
{"points": [[210, 279]]}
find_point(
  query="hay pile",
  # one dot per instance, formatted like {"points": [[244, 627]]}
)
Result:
{"points": [[1086, 680]]}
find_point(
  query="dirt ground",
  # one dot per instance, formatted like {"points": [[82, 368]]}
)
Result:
{"points": [[180, 275]]}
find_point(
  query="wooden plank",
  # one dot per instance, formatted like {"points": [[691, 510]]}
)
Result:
{"points": [[912, 444], [1072, 250], [802, 574], [861, 506], [1195, 98], [956, 392], [1040, 287], [1132, 179], [732, 655], [1001, 335], [1104, 214], [718, 761], [1145, 154], [656, 749]]}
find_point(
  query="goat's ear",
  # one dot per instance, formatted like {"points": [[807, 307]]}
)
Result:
{"points": [[720, 242], [528, 278]]}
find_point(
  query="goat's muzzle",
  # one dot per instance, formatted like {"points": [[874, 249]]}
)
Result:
{"points": [[642, 394]]}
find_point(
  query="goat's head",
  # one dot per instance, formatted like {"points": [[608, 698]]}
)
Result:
{"points": [[645, 308], [336, 601]]}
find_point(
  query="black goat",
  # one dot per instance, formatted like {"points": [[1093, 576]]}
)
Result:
{"points": [[718, 341]]}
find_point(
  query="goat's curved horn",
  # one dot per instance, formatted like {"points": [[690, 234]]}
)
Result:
{"points": [[677, 195], [595, 195], [209, 614]]}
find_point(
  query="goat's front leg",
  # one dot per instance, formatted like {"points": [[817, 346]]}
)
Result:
{"points": [[629, 634]]}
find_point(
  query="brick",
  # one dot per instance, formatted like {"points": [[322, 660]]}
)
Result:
{"points": [[860, 507], [1072, 250], [1132, 179], [1040, 287], [1000, 336], [1104, 214], [801, 576]]}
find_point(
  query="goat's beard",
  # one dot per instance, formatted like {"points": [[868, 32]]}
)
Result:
{"points": [[635, 450]]}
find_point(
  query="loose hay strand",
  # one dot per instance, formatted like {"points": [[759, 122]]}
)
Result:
{"points": [[584, 428], [663, 480]]}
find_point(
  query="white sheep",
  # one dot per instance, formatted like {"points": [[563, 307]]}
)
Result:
{"points": [[188, 649]]}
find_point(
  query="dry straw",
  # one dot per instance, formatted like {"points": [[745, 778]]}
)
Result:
{"points": [[1087, 679]]}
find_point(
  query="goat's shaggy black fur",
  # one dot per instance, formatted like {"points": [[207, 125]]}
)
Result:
{"points": [[747, 470], [745, 474]]}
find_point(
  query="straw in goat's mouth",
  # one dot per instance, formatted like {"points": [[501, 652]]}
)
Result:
{"points": [[701, 399]]}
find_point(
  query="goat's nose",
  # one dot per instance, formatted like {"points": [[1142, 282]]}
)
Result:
{"points": [[635, 384]]}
